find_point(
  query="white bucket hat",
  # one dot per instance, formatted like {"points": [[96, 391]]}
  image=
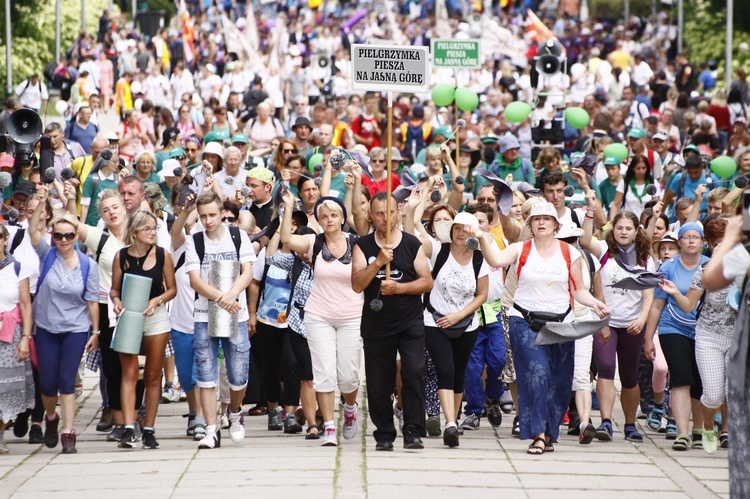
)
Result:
{"points": [[568, 231], [540, 209], [213, 148], [444, 228]]}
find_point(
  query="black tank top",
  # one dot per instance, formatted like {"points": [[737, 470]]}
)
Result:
{"points": [[132, 265], [399, 311]]}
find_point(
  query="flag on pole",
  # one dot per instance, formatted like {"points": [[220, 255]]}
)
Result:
{"points": [[188, 32], [536, 29]]}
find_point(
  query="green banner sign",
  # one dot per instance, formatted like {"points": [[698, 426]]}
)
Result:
{"points": [[456, 54]]}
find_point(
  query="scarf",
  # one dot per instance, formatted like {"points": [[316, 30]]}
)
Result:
{"points": [[627, 254], [8, 260]]}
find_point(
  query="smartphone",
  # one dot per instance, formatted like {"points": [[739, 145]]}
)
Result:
{"points": [[746, 213]]}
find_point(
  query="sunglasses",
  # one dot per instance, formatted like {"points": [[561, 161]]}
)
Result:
{"points": [[150, 228], [183, 157], [68, 236], [289, 151], [190, 149], [377, 161], [230, 220]]}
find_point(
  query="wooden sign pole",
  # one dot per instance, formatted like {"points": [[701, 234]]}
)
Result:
{"points": [[389, 170]]}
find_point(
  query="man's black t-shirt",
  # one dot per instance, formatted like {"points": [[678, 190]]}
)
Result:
{"points": [[399, 311], [262, 214]]}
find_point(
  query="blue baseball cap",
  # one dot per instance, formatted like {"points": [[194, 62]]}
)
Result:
{"points": [[690, 226]]}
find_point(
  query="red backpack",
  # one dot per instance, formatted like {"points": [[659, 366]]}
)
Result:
{"points": [[565, 249]]}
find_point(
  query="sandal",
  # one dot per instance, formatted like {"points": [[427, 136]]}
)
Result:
{"points": [[548, 447], [258, 411], [313, 433], [682, 443], [724, 440], [535, 450], [632, 434]]}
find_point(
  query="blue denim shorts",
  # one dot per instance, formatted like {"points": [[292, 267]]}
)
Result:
{"points": [[236, 353], [184, 356]]}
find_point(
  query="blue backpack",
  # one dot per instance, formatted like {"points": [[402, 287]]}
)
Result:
{"points": [[414, 140], [50, 260]]}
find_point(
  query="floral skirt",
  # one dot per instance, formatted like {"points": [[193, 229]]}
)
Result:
{"points": [[16, 380]]}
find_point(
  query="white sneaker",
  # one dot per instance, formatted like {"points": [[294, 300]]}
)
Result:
{"points": [[329, 438], [350, 426], [212, 440], [168, 393], [3, 448], [236, 426], [183, 395], [176, 394], [224, 422]]}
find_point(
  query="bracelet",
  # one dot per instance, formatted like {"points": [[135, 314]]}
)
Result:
{"points": [[27, 336], [96, 332], [161, 302], [589, 217]]}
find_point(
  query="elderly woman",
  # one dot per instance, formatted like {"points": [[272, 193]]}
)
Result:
{"points": [[65, 310], [145, 167], [549, 279], [264, 128], [232, 176], [133, 137], [332, 312], [451, 324], [17, 392], [379, 183]]}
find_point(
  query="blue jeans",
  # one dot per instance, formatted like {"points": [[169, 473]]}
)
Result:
{"points": [[184, 359], [236, 353], [544, 376], [488, 350]]}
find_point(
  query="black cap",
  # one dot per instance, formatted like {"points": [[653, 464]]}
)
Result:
{"points": [[24, 187], [168, 134]]}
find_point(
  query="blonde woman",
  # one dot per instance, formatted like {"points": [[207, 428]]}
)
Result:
{"points": [[332, 312], [145, 167], [142, 257]]}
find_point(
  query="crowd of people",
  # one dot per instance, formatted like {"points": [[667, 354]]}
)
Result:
{"points": [[512, 274]]}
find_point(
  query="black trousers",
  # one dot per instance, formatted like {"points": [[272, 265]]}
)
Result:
{"points": [[278, 365], [111, 365], [380, 369]]}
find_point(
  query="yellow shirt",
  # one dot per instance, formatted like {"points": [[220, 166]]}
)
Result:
{"points": [[499, 235], [620, 59], [82, 166], [123, 96], [338, 132]]}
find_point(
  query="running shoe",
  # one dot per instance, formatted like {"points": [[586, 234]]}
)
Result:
{"points": [[274, 419], [710, 441], [471, 422], [68, 442], [432, 425], [587, 434], [291, 425], [350, 425], [127, 441], [236, 426], [149, 440], [169, 393], [212, 440], [329, 437], [495, 413], [51, 436], [450, 436]]}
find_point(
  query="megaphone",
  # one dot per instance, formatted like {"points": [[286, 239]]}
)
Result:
{"points": [[548, 64], [24, 129], [551, 47]]}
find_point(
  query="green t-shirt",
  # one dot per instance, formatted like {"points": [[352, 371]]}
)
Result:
{"points": [[607, 191], [92, 194], [160, 157], [338, 188]]}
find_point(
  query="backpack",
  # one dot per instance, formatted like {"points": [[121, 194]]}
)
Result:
{"points": [[414, 140], [17, 268], [49, 71], [200, 246], [274, 121], [445, 250], [28, 82], [564, 248], [50, 260], [100, 246]]}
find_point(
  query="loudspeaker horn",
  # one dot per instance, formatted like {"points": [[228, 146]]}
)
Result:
{"points": [[24, 126], [548, 65]]}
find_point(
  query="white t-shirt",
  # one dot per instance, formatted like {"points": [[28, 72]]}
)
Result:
{"points": [[626, 304], [496, 280], [454, 287], [544, 283], [26, 254], [230, 189], [107, 256], [206, 86], [567, 218], [181, 310], [632, 203], [736, 265], [10, 293], [582, 312], [221, 250]]}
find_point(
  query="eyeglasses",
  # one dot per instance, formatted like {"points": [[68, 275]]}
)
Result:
{"points": [[230, 220], [377, 161], [486, 200], [150, 228], [68, 236], [691, 238], [289, 151]]}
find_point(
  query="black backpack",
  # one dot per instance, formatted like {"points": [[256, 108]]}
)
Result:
{"points": [[445, 250]]}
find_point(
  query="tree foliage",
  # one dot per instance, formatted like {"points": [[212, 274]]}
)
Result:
{"points": [[33, 32]]}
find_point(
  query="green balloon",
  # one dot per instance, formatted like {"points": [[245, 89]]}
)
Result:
{"points": [[443, 94], [618, 151], [466, 99], [315, 159], [724, 167], [517, 111], [577, 117]]}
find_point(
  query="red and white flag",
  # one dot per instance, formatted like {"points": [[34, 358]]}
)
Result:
{"points": [[188, 32]]}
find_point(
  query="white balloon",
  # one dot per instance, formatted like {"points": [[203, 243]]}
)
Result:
{"points": [[136, 87], [61, 107], [137, 104]]}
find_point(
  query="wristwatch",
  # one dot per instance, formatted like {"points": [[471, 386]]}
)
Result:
{"points": [[95, 332], [161, 302]]}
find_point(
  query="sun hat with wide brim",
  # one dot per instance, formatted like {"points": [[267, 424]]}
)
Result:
{"points": [[213, 148], [444, 228], [568, 232], [542, 209]]}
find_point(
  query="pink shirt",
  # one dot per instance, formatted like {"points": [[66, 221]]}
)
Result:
{"points": [[332, 296]]}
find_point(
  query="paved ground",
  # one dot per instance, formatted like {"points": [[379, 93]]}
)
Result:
{"points": [[273, 463]]}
